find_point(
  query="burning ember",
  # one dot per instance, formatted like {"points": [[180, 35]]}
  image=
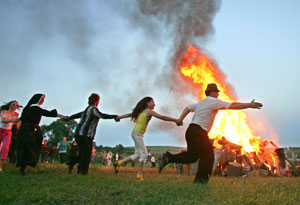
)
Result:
{"points": [[230, 130]]}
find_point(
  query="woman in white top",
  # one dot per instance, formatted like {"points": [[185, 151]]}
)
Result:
{"points": [[8, 117]]}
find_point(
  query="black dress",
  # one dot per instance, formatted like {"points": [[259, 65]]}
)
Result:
{"points": [[30, 136]]}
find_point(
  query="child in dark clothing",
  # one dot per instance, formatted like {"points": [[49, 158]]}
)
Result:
{"points": [[44, 152], [51, 154], [73, 156]]}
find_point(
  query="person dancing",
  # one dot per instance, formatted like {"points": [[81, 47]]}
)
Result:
{"points": [[198, 144], [8, 117], [86, 130], [141, 115], [30, 136]]}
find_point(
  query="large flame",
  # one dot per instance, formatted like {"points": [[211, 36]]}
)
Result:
{"points": [[231, 124]]}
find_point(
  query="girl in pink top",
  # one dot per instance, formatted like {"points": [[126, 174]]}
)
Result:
{"points": [[8, 117]]}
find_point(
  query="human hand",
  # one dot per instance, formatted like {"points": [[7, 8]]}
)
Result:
{"points": [[117, 119], [62, 117], [179, 122], [255, 105]]}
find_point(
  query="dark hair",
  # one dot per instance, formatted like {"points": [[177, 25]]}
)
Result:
{"points": [[140, 106], [6, 106], [207, 93], [93, 98]]}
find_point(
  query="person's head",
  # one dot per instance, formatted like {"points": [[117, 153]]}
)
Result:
{"points": [[41, 100], [64, 139], [212, 90], [94, 99], [35, 99], [12, 106], [146, 102]]}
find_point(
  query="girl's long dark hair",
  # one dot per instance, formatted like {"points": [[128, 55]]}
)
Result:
{"points": [[140, 106], [6, 106]]}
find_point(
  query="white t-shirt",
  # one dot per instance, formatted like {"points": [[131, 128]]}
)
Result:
{"points": [[5, 115], [152, 159], [206, 110]]}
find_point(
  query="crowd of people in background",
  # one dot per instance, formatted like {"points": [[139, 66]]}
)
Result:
{"points": [[66, 152]]}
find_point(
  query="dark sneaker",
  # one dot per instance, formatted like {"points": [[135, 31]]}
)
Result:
{"points": [[163, 162], [197, 181]]}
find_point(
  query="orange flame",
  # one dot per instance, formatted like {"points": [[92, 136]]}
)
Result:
{"points": [[196, 66]]}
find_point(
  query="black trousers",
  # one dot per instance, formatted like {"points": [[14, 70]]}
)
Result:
{"points": [[85, 145], [62, 157], [198, 147]]}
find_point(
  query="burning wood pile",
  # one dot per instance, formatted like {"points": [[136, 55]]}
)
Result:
{"points": [[231, 161]]}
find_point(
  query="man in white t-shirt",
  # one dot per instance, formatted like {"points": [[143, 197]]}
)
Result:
{"points": [[198, 144]]}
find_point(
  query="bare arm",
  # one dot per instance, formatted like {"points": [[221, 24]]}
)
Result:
{"points": [[123, 116], [184, 113], [162, 117], [239, 106], [11, 120]]}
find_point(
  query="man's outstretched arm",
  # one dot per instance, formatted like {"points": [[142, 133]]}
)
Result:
{"points": [[239, 106]]}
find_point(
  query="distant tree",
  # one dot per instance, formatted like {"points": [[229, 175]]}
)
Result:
{"points": [[59, 129], [119, 148]]}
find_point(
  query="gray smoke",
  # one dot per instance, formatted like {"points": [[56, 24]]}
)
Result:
{"points": [[162, 26], [187, 22]]}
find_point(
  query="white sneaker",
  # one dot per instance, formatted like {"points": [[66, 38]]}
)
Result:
{"points": [[1, 170]]}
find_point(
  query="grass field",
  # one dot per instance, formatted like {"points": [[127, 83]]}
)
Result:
{"points": [[50, 184]]}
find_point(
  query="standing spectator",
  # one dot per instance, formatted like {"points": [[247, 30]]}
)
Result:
{"points": [[153, 161], [93, 155], [30, 135], [62, 148], [8, 116], [73, 156], [198, 143], [109, 157], [44, 152], [104, 158], [149, 159], [51, 154], [123, 157], [86, 130], [159, 158], [116, 158]]}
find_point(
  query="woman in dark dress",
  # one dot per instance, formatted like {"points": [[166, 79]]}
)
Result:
{"points": [[30, 136]]}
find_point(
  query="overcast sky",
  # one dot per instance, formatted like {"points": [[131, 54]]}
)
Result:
{"points": [[125, 50]]}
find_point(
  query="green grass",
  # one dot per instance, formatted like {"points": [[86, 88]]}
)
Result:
{"points": [[50, 184]]}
